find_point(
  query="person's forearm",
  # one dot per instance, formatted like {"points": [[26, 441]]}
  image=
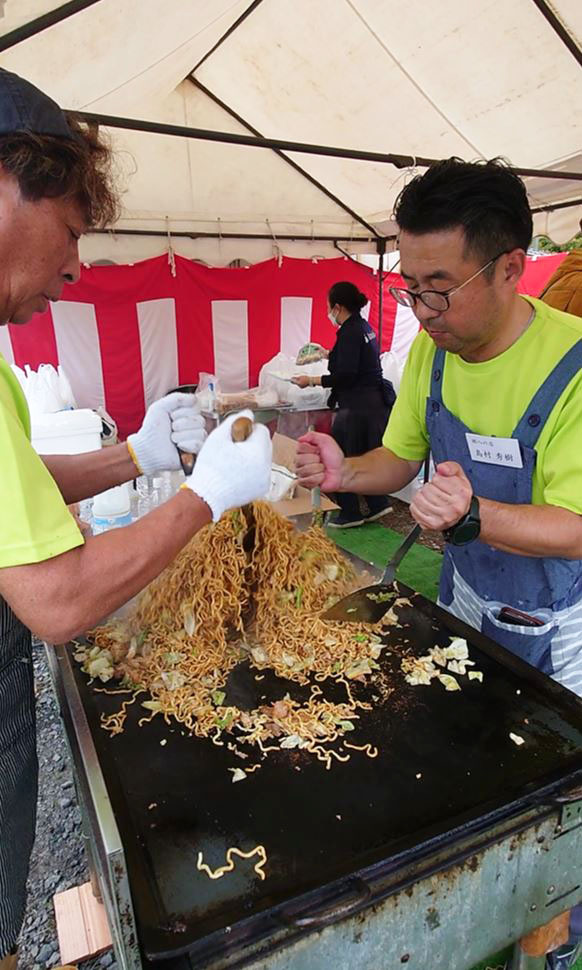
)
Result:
{"points": [[379, 472], [81, 476], [531, 530], [74, 591]]}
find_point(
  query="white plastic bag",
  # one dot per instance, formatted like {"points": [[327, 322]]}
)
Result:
{"points": [[283, 484], [392, 368], [254, 398], [20, 375], [43, 391], [276, 374], [47, 390], [65, 389]]}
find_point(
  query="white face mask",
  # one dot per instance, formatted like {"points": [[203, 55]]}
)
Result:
{"points": [[332, 319]]}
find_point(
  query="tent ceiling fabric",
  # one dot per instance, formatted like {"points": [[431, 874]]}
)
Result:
{"points": [[379, 75]]}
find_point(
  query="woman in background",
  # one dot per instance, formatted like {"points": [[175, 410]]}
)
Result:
{"points": [[360, 393]]}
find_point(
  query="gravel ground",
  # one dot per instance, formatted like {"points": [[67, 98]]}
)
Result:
{"points": [[58, 859]]}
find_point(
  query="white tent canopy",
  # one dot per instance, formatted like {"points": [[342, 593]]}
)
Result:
{"points": [[459, 77]]}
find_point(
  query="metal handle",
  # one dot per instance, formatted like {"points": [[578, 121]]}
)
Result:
{"points": [[241, 429], [187, 461], [359, 894], [411, 538], [566, 798], [316, 516], [400, 554]]}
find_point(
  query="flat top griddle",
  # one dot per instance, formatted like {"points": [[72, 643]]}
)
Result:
{"points": [[174, 799]]}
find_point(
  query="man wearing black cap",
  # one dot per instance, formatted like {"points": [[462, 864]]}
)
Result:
{"points": [[55, 183]]}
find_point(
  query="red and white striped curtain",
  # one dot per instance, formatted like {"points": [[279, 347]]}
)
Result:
{"points": [[127, 334]]}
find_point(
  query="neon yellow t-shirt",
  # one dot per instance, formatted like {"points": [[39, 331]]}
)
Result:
{"points": [[491, 397], [35, 523]]}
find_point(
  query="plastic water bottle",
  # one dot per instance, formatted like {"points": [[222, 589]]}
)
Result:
{"points": [[156, 483], [111, 509], [86, 512]]}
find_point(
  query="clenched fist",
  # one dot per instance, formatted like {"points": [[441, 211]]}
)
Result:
{"points": [[444, 500], [319, 461]]}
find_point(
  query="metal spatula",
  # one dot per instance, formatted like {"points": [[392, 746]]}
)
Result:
{"points": [[369, 604]]}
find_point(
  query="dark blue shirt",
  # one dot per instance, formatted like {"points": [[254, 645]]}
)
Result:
{"points": [[354, 363]]}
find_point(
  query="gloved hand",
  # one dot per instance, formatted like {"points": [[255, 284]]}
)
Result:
{"points": [[230, 473], [173, 420]]}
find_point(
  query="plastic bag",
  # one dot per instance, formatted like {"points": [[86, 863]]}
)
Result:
{"points": [[308, 398], [43, 391], [20, 375], [65, 389], [310, 354], [276, 375], [108, 427], [208, 389], [46, 390], [254, 398], [283, 484], [392, 368]]}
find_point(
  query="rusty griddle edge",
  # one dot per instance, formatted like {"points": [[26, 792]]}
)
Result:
{"points": [[379, 875], [285, 927], [282, 925]]}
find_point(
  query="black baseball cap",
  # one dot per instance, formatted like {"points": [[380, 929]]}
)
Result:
{"points": [[25, 108]]}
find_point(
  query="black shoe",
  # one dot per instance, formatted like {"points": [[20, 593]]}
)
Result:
{"points": [[372, 516], [344, 521], [564, 957]]}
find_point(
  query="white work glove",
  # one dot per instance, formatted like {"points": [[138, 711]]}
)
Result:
{"points": [[230, 473], [174, 420]]}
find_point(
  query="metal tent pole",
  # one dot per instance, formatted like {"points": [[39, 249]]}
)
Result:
{"points": [[295, 236], [252, 141], [41, 23], [381, 249]]}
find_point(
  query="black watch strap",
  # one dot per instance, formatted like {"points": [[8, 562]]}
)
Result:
{"points": [[467, 529]]}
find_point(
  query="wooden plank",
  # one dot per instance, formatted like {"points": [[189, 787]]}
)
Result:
{"points": [[82, 927], [95, 917], [70, 925]]}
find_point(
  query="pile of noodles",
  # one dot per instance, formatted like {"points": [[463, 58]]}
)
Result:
{"points": [[250, 587]]}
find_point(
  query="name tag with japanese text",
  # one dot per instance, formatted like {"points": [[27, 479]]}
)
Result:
{"points": [[494, 451]]}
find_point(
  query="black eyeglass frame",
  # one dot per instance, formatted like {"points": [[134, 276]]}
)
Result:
{"points": [[408, 298]]}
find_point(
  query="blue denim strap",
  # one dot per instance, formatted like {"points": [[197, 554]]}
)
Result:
{"points": [[436, 377], [531, 424]]}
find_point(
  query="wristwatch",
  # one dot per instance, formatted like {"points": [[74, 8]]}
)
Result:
{"points": [[466, 529]]}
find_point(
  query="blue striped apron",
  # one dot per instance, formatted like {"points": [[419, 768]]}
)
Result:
{"points": [[18, 773], [477, 581]]}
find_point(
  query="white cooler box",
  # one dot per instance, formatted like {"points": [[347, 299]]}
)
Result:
{"points": [[66, 432]]}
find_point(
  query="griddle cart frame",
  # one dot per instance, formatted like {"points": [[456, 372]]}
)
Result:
{"points": [[450, 907], [106, 858]]}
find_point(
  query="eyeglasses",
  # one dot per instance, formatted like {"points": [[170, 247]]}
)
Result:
{"points": [[435, 299]]}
